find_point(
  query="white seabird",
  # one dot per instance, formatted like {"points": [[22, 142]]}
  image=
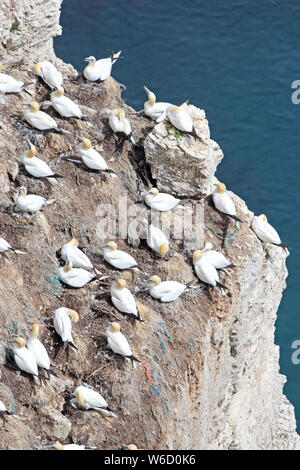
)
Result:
{"points": [[129, 447], [205, 271], [181, 119], [218, 260], [166, 291], [31, 202], [63, 321], [265, 232], [117, 258], [59, 446], [4, 410], [49, 73], [123, 299], [38, 350], [153, 109], [223, 202], [5, 246], [99, 69], [120, 124], [160, 201], [91, 158], [71, 252], [35, 166], [38, 119], [24, 358], [88, 399], [118, 343], [75, 277], [157, 241], [9, 84], [63, 105]]}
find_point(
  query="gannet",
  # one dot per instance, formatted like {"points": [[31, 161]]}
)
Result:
{"points": [[59, 446], [99, 69], [31, 202], [88, 399], [123, 299], [206, 272], [91, 158], [265, 232], [218, 260], [71, 252], [120, 125], [157, 240], [160, 201], [35, 166], [75, 277], [24, 358], [4, 410], [38, 350], [37, 118], [129, 447], [181, 119], [63, 105], [118, 343], [166, 291], [5, 246], [117, 258], [9, 84], [49, 74], [223, 202], [63, 321], [153, 109]]}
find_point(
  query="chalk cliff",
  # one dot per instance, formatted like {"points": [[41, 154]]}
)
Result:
{"points": [[209, 373]]}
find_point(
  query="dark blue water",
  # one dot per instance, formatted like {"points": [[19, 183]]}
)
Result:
{"points": [[237, 60]]}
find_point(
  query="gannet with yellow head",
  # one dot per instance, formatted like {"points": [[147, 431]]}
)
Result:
{"points": [[75, 277], [9, 84], [157, 241], [99, 69], [63, 322], [71, 252], [223, 202], [49, 74], [24, 358], [59, 446], [38, 119], [91, 158], [117, 258], [205, 271], [120, 124], [118, 343], [38, 350], [218, 260], [129, 447], [88, 399], [123, 299], [166, 291], [153, 109], [5, 246], [265, 232], [181, 119], [30, 202], [35, 166], [63, 105], [160, 201]]}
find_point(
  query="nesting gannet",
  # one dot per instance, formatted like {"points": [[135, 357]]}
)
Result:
{"points": [[63, 105], [99, 69], [9, 84], [265, 232], [160, 201], [63, 321], [35, 166], [218, 260], [71, 252], [38, 119], [75, 277], [38, 350], [88, 399], [5, 246], [157, 240], [91, 158], [59, 446], [181, 119], [120, 125], [129, 447], [206, 272], [24, 358], [118, 343], [4, 410], [166, 291], [117, 258], [31, 202], [49, 73], [223, 202], [123, 299], [152, 108]]}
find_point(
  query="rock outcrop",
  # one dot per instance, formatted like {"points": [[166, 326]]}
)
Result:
{"points": [[209, 374]]}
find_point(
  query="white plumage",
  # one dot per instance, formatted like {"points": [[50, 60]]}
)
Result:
{"points": [[205, 271], [31, 202], [160, 201], [117, 341], [180, 118], [166, 291], [35, 166], [87, 399], [156, 111], [71, 252], [64, 105], [3, 409], [265, 231], [38, 119], [218, 260], [119, 124], [5, 246], [117, 258], [25, 359], [223, 201], [90, 157], [63, 321], [157, 240], [49, 73], [75, 277], [9, 84], [123, 299], [99, 69], [38, 350]]}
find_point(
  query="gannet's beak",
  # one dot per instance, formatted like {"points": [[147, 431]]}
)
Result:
{"points": [[88, 59], [147, 90], [146, 194], [29, 144]]}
